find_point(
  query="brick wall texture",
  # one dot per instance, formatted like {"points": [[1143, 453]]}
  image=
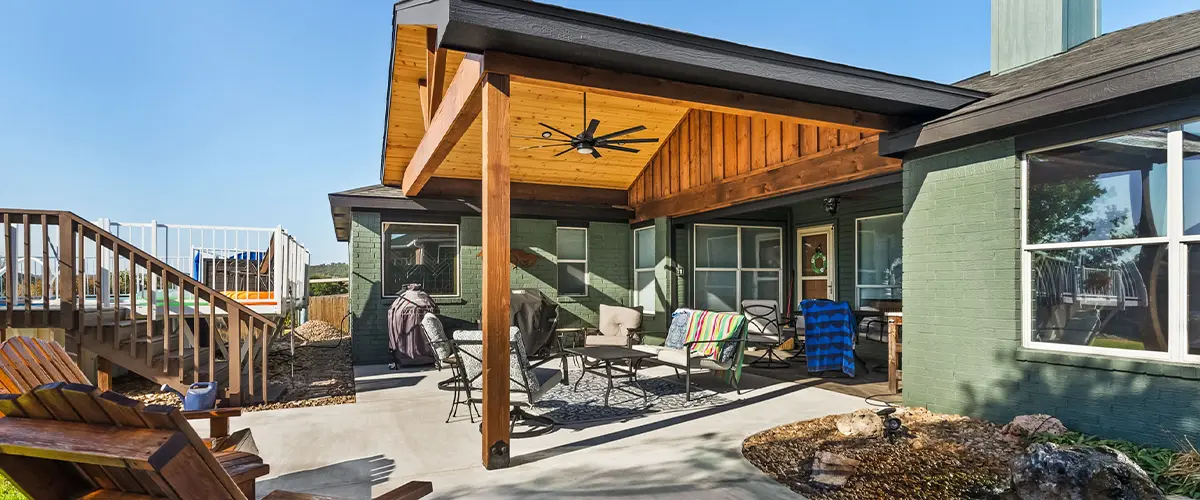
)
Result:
{"points": [[610, 256], [962, 332]]}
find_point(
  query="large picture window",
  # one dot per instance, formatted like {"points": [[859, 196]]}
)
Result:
{"points": [[1110, 262], [572, 261], [643, 269], [425, 254], [879, 277], [736, 263]]}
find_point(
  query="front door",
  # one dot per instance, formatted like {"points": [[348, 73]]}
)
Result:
{"points": [[816, 265]]}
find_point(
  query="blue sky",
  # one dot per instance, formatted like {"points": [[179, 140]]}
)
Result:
{"points": [[242, 113]]}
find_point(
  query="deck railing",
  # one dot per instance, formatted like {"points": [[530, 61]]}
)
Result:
{"points": [[119, 300]]}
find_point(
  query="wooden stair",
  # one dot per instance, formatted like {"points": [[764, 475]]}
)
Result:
{"points": [[177, 343]]}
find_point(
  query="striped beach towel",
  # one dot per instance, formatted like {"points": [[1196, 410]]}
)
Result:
{"points": [[828, 336], [708, 329]]}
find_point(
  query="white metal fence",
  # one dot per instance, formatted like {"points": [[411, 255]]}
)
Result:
{"points": [[263, 268]]}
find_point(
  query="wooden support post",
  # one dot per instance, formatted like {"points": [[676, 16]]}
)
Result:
{"points": [[496, 285], [103, 373]]}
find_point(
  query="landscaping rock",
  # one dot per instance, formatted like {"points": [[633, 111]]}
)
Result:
{"points": [[831, 469], [860, 423], [1047, 471], [1028, 425]]}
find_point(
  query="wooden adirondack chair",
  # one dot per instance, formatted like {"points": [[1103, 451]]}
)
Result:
{"points": [[66, 441], [26, 362]]}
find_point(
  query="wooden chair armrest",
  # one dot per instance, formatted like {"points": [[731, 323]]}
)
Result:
{"points": [[214, 413]]}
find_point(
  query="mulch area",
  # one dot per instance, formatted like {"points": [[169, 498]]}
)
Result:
{"points": [[946, 456], [320, 373]]}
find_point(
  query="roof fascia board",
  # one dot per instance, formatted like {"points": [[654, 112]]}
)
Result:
{"points": [[1017, 116]]}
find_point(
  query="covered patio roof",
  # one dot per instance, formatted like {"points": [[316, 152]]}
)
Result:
{"points": [[790, 107]]}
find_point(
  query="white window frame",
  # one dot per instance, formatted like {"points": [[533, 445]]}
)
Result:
{"points": [[383, 249], [1177, 260], [858, 271], [650, 311], [739, 269], [587, 274]]}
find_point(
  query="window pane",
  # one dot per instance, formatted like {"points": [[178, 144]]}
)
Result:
{"points": [[814, 255], [645, 290], [643, 242], [572, 278], [879, 250], [1193, 300], [762, 248], [1191, 178], [423, 254], [885, 299], [1108, 189], [572, 244], [716, 246], [1112, 297], [760, 285], [716, 290]]}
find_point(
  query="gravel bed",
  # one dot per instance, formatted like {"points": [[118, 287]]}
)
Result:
{"points": [[945, 457], [319, 374]]}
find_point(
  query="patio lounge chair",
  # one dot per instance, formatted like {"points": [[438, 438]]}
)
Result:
{"points": [[618, 326], [65, 440], [447, 356], [528, 382], [683, 358], [766, 329]]}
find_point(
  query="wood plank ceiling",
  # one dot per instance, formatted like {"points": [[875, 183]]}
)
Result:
{"points": [[530, 104]]}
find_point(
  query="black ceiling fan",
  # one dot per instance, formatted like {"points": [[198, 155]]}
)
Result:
{"points": [[587, 142]]}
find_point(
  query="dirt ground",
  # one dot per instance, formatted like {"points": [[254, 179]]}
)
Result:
{"points": [[945, 457], [320, 373]]}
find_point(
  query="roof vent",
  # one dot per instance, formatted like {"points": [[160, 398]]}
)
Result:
{"points": [[1026, 31]]}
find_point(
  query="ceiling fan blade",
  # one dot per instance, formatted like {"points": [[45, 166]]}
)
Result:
{"points": [[595, 154], [565, 151], [545, 146], [626, 141], [591, 128], [618, 133], [556, 130], [618, 148]]}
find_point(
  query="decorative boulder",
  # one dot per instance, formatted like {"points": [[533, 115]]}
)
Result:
{"points": [[1049, 472], [831, 469], [1028, 425], [860, 423]]}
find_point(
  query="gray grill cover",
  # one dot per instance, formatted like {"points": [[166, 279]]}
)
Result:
{"points": [[406, 341]]}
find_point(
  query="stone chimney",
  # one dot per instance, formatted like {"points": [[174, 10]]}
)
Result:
{"points": [[1026, 31]]}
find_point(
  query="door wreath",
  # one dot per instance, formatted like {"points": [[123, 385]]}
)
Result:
{"points": [[818, 262]]}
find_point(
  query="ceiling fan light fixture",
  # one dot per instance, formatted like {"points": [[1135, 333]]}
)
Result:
{"points": [[546, 134], [584, 150]]}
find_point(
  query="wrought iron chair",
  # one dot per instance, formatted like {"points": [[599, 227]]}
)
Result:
{"points": [[528, 381], [765, 329]]}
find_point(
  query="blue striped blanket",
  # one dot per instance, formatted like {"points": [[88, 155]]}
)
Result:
{"points": [[828, 335]]}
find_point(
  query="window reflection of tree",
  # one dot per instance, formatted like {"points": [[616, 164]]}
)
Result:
{"points": [[1066, 189]]}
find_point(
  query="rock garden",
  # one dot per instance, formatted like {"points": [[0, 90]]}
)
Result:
{"points": [[912, 453]]}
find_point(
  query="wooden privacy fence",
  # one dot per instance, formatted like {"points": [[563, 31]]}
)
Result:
{"points": [[331, 309]]}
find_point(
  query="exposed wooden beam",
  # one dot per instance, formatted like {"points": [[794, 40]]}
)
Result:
{"points": [[826, 168], [496, 316], [632, 86], [469, 188], [435, 71], [423, 91], [450, 121]]}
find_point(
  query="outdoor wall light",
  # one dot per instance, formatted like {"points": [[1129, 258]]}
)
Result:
{"points": [[831, 204]]}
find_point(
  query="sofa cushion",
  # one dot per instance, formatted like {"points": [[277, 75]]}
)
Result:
{"points": [[677, 332], [677, 357], [652, 349], [617, 321]]}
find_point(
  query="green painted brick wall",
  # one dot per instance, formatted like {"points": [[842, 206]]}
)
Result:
{"points": [[610, 256], [962, 335]]}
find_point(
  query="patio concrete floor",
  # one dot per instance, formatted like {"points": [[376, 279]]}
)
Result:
{"points": [[395, 433]]}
